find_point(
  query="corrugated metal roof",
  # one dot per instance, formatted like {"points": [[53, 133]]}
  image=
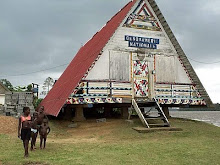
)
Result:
{"points": [[78, 67]]}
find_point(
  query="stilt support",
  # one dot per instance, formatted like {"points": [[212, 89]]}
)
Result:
{"points": [[79, 115], [67, 113], [124, 112], [166, 111], [107, 111]]}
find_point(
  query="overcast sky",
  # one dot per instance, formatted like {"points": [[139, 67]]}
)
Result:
{"points": [[40, 34]]}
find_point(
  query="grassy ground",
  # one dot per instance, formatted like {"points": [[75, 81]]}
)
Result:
{"points": [[114, 142]]}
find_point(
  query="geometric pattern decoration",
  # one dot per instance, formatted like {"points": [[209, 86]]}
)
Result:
{"points": [[94, 100], [181, 101], [140, 68], [180, 93], [142, 18], [140, 75], [141, 88]]}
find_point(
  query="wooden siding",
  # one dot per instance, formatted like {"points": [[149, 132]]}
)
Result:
{"points": [[169, 69], [120, 66]]}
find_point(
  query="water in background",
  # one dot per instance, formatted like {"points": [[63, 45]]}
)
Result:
{"points": [[212, 117]]}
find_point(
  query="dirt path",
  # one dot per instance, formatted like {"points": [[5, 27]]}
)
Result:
{"points": [[89, 131]]}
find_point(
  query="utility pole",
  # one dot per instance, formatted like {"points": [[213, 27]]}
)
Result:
{"points": [[35, 88]]}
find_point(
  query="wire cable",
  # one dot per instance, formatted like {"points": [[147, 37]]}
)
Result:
{"points": [[23, 74], [204, 62]]}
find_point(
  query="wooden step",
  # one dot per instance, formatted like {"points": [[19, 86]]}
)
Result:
{"points": [[147, 107], [149, 130], [159, 124], [154, 118], [137, 109]]}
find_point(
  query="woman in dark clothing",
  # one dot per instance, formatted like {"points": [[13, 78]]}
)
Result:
{"points": [[24, 129]]}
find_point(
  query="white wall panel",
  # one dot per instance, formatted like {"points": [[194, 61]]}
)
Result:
{"points": [[101, 69], [2, 99], [165, 69], [182, 76], [169, 69], [120, 66]]}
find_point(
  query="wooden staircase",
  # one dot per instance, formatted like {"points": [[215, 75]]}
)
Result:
{"points": [[154, 117]]}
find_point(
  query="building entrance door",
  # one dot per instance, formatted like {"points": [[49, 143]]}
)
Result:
{"points": [[142, 76]]}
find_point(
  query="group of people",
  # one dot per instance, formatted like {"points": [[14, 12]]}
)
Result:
{"points": [[29, 127]]}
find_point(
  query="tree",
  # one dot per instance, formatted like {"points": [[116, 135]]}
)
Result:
{"points": [[23, 88], [48, 83], [37, 102], [29, 88], [19, 89], [7, 83]]}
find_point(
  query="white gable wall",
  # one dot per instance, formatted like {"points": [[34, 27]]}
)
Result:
{"points": [[167, 65]]}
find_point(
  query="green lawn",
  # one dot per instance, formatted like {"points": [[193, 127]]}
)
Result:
{"points": [[115, 142]]}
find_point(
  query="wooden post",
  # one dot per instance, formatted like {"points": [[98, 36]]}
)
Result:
{"points": [[107, 111], [166, 111], [124, 112], [79, 116], [67, 113]]}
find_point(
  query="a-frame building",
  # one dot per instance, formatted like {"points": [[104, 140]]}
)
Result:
{"points": [[134, 59]]}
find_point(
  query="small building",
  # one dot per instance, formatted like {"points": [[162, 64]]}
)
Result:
{"points": [[16, 101], [3, 91], [134, 60]]}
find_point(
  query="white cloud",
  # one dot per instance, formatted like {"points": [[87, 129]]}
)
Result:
{"points": [[209, 76], [212, 7]]}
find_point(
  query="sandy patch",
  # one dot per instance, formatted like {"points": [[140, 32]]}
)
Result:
{"points": [[89, 132], [8, 125]]}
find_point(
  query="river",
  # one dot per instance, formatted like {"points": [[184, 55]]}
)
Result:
{"points": [[212, 117]]}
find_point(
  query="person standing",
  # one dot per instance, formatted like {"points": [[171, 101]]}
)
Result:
{"points": [[41, 116], [24, 129], [34, 130], [44, 131]]}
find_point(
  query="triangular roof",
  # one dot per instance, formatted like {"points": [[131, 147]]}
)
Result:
{"points": [[86, 56], [78, 67], [6, 89]]}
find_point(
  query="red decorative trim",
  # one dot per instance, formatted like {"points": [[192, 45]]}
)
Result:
{"points": [[145, 5], [181, 62]]}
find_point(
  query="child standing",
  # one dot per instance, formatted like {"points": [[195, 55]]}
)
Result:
{"points": [[24, 129], [41, 116], [44, 131], [34, 130]]}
